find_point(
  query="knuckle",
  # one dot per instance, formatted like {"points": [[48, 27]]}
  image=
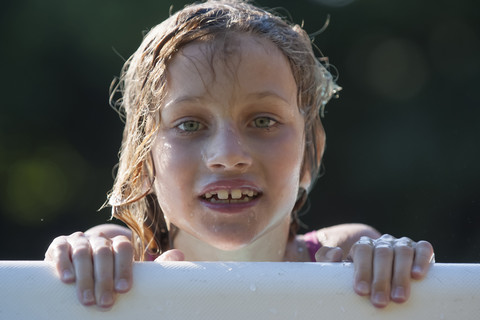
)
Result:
{"points": [[123, 244], [380, 284], [383, 252], [81, 251], [404, 250], [121, 238], [77, 234], [61, 246], [386, 237], [59, 239], [57, 242], [364, 273], [57, 249], [425, 245], [102, 250], [84, 282], [104, 280], [401, 276], [362, 247]]}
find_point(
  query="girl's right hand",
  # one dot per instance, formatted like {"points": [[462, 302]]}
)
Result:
{"points": [[100, 266]]}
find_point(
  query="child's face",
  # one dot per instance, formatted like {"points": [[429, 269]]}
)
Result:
{"points": [[231, 142]]}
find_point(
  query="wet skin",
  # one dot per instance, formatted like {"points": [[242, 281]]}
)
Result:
{"points": [[230, 122]]}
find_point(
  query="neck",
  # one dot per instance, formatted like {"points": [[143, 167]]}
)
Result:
{"points": [[269, 247]]}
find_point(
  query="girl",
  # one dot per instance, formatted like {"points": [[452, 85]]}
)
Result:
{"points": [[222, 143]]}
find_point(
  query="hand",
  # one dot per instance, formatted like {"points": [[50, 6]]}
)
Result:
{"points": [[384, 267], [100, 266]]}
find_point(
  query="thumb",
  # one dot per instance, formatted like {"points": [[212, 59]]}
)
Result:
{"points": [[171, 255], [329, 254]]}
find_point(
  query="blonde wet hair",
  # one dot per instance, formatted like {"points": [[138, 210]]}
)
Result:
{"points": [[143, 84]]}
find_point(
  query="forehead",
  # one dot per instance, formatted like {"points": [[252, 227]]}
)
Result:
{"points": [[243, 60]]}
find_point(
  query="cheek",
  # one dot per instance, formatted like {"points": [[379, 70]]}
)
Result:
{"points": [[173, 167], [286, 153], [283, 163]]}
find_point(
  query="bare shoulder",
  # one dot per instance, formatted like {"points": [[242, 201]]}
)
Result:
{"points": [[345, 235], [110, 230]]}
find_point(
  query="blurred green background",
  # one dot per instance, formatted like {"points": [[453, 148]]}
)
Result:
{"points": [[403, 138]]}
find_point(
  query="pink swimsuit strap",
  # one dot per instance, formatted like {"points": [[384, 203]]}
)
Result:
{"points": [[312, 243]]}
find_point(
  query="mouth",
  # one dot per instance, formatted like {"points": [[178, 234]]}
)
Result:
{"points": [[230, 196]]}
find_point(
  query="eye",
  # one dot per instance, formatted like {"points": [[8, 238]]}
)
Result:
{"points": [[190, 126], [264, 122]]}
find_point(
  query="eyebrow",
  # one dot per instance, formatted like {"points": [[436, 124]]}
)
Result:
{"points": [[254, 96], [267, 94], [182, 99]]}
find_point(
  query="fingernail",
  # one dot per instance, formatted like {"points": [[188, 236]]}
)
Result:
{"points": [[88, 297], [417, 270], [362, 288], [399, 293], [121, 285], [380, 299], [330, 253], [67, 275], [106, 300]]}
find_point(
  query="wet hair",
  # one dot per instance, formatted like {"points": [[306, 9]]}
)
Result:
{"points": [[143, 86]]}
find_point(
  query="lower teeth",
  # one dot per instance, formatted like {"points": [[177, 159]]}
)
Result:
{"points": [[242, 200]]}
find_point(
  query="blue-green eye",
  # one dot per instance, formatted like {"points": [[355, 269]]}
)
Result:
{"points": [[190, 126], [263, 122]]}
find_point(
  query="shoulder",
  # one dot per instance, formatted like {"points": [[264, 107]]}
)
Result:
{"points": [[345, 235], [110, 230]]}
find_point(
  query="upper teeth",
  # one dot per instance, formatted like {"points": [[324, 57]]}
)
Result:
{"points": [[234, 193]]}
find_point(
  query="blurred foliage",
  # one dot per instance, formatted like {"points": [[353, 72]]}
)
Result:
{"points": [[403, 138]]}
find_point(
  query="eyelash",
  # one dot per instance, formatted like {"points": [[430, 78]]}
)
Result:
{"points": [[186, 131], [271, 122], [199, 126]]}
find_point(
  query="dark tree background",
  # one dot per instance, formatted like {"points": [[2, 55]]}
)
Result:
{"points": [[403, 138]]}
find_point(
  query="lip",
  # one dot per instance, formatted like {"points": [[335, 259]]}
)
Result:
{"points": [[229, 185]]}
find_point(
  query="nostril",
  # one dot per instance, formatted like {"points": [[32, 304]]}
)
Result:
{"points": [[226, 150], [228, 159]]}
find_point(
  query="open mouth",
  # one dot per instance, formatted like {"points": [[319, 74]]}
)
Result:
{"points": [[230, 196]]}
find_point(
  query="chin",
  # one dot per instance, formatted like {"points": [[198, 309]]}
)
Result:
{"points": [[232, 240]]}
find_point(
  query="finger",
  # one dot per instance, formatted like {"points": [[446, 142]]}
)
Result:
{"points": [[402, 266], [171, 255], [59, 253], [329, 254], [123, 259], [382, 274], [424, 256], [103, 271], [362, 256], [82, 262]]}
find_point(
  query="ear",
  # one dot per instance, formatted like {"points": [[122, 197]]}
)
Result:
{"points": [[305, 179]]}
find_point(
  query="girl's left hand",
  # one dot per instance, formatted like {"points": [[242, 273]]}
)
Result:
{"points": [[384, 267]]}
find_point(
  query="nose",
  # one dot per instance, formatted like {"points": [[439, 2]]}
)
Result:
{"points": [[227, 150]]}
